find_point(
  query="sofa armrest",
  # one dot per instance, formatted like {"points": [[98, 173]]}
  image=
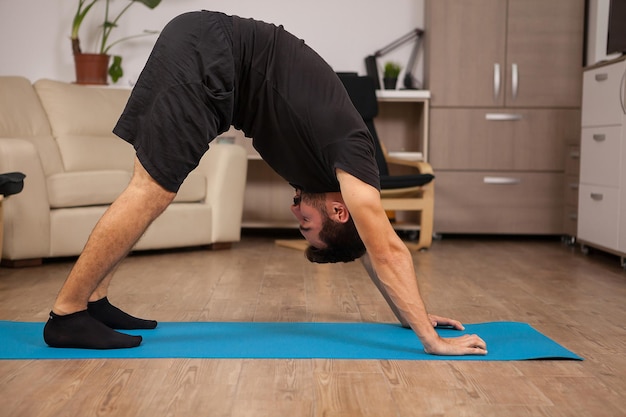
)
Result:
{"points": [[225, 167], [27, 214]]}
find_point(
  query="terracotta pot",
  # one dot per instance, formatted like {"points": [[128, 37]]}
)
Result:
{"points": [[91, 68]]}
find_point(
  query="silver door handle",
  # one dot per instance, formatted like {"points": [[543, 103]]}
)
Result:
{"points": [[622, 92], [503, 117], [596, 196], [514, 80], [496, 81], [598, 137], [501, 180], [602, 76]]}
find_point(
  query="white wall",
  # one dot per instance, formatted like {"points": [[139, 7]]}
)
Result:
{"points": [[34, 34]]}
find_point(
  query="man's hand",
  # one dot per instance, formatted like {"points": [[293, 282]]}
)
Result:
{"points": [[469, 344], [438, 321]]}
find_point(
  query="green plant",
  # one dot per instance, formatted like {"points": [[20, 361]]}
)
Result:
{"points": [[392, 70], [84, 6]]}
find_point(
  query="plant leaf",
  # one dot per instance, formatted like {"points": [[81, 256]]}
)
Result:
{"points": [[115, 70], [149, 3]]}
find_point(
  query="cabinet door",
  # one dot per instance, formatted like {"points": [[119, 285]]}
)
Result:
{"points": [[478, 51], [465, 41], [486, 139], [544, 53]]}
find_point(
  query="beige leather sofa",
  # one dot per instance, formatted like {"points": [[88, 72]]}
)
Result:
{"points": [[59, 135]]}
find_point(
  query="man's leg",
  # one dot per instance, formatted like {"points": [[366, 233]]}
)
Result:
{"points": [[115, 234]]}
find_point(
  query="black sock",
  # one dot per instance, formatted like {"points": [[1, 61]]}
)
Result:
{"points": [[115, 318], [80, 330]]}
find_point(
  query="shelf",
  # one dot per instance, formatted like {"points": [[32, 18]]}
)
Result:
{"points": [[403, 95]]}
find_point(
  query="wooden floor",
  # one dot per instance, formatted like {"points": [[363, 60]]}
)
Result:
{"points": [[575, 299]]}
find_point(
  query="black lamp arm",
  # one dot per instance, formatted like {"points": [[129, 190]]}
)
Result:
{"points": [[409, 80], [415, 33]]}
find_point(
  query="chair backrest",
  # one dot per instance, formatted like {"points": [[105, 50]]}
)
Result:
{"points": [[362, 92]]}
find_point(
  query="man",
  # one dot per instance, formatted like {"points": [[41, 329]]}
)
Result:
{"points": [[209, 71]]}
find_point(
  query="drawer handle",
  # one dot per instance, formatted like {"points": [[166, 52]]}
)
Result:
{"points": [[573, 185], [596, 196], [501, 180], [602, 77], [599, 137], [574, 154], [503, 117], [573, 216]]}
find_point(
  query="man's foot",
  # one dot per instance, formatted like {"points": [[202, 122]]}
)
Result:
{"points": [[115, 318], [80, 330]]}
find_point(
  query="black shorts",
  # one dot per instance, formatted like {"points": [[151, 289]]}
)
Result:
{"points": [[183, 98]]}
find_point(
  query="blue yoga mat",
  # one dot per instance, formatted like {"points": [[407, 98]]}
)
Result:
{"points": [[505, 341]]}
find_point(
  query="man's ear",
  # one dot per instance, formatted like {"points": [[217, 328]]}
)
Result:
{"points": [[339, 212]]}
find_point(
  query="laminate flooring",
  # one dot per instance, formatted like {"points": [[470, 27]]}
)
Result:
{"points": [[576, 300]]}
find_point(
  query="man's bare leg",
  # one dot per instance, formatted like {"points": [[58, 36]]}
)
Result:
{"points": [[114, 235]]}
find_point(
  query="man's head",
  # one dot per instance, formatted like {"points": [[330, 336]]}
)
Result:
{"points": [[328, 227]]}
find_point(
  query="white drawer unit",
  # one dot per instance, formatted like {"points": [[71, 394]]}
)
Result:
{"points": [[602, 190], [601, 149], [602, 105], [598, 215]]}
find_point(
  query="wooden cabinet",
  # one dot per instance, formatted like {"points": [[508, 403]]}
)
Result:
{"points": [[505, 78], [602, 193], [504, 53]]}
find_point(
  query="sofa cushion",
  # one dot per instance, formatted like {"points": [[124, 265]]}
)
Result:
{"points": [[89, 188], [193, 189], [82, 119], [22, 117], [21, 114], [86, 152], [93, 188]]}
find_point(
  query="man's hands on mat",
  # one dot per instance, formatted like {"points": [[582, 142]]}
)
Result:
{"points": [[469, 344]]}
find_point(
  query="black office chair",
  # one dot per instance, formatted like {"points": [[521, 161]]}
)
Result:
{"points": [[413, 192]]}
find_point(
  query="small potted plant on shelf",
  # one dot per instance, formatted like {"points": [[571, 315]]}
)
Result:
{"points": [[91, 68], [390, 75]]}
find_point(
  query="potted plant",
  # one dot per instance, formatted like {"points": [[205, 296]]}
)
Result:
{"points": [[390, 75], [91, 68]]}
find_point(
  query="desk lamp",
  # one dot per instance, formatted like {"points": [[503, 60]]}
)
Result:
{"points": [[371, 64]]}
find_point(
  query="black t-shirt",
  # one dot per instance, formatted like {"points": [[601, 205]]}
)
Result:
{"points": [[208, 71], [293, 105]]}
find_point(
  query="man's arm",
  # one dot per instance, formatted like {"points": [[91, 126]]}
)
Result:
{"points": [[393, 266], [434, 320]]}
